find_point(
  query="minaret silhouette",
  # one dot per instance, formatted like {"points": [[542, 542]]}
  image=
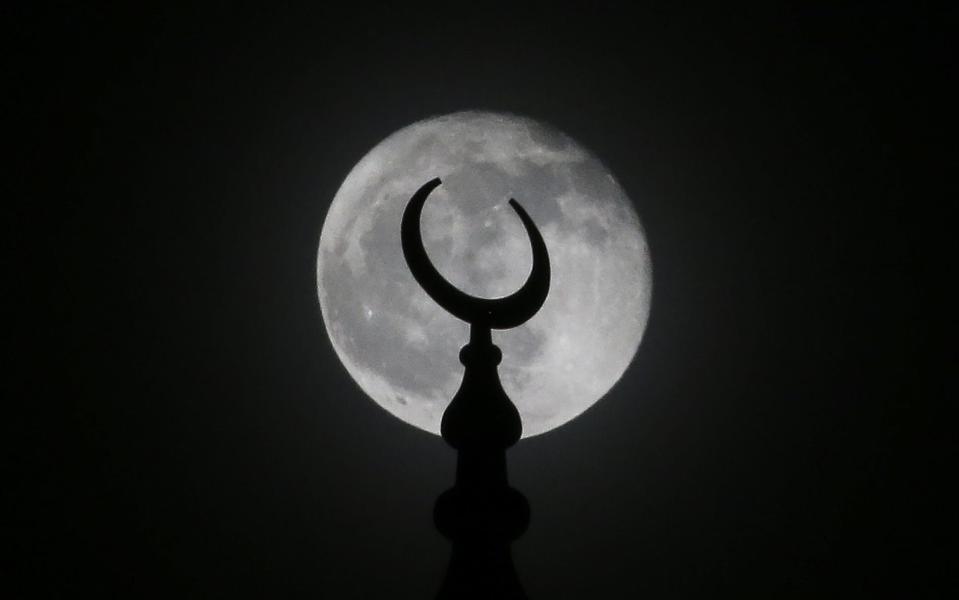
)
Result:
{"points": [[481, 514]]}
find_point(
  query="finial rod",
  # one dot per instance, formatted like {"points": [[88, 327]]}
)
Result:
{"points": [[481, 514]]}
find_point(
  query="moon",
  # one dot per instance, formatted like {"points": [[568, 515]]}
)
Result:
{"points": [[402, 349]]}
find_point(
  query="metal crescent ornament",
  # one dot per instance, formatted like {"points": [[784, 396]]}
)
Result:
{"points": [[492, 313]]}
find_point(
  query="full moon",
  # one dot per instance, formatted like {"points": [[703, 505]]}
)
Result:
{"points": [[402, 348]]}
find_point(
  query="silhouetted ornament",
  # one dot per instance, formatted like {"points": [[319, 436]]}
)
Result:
{"points": [[481, 514]]}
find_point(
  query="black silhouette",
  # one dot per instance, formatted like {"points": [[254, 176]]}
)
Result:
{"points": [[481, 514]]}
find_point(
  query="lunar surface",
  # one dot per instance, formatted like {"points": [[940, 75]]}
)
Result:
{"points": [[402, 348]]}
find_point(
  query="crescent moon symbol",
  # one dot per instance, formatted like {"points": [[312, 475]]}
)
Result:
{"points": [[495, 313]]}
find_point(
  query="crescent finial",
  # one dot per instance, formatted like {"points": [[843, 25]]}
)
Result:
{"points": [[495, 313]]}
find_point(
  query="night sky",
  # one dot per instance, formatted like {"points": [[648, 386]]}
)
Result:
{"points": [[179, 425]]}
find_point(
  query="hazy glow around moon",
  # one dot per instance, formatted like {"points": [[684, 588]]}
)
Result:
{"points": [[402, 349]]}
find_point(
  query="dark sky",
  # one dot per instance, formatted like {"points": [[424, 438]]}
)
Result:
{"points": [[180, 426]]}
